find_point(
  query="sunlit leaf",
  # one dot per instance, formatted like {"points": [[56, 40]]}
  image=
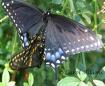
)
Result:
{"points": [[83, 84], [89, 84], [81, 75], [98, 83], [5, 76], [30, 79], [25, 84], [12, 83], [69, 81]]}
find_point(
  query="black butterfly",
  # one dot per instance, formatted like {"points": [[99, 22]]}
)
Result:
{"points": [[59, 36]]}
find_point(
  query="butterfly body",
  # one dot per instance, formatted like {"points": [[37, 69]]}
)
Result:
{"points": [[62, 36]]}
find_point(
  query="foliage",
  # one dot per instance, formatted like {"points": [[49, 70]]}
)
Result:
{"points": [[84, 69]]}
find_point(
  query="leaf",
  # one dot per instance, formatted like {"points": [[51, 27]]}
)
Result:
{"points": [[2, 84], [25, 84], [89, 84], [101, 74], [12, 83], [87, 18], [69, 81], [57, 1], [98, 83], [5, 76], [83, 84], [81, 75], [30, 79]]}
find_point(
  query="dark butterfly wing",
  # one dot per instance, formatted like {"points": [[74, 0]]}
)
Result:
{"points": [[65, 36], [32, 56], [27, 19]]}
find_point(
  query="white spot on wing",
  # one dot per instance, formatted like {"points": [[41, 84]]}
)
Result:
{"points": [[69, 43], [23, 44], [77, 48], [95, 44], [83, 39], [52, 65], [14, 21], [62, 57], [5, 7], [67, 51], [87, 46], [12, 17], [16, 25], [91, 45], [3, 4], [82, 47], [78, 40], [92, 38], [22, 37], [15, 14], [8, 4], [47, 63], [12, 1], [73, 50], [58, 61], [86, 30], [9, 13], [7, 10]]}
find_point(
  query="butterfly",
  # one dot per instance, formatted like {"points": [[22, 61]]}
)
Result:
{"points": [[59, 36]]}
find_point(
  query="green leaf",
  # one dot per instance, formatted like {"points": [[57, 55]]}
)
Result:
{"points": [[89, 84], [5, 76], [57, 1], [83, 84], [87, 18], [98, 83], [81, 75], [69, 81], [2, 84], [12, 83], [101, 74], [30, 79], [25, 84]]}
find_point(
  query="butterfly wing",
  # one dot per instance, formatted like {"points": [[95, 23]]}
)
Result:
{"points": [[27, 19], [65, 37], [33, 55], [29, 57]]}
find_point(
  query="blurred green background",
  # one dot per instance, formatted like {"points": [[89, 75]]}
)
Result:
{"points": [[84, 69]]}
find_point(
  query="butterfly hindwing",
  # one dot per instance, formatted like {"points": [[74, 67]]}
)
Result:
{"points": [[32, 56], [65, 37]]}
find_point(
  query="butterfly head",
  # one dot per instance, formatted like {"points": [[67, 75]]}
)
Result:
{"points": [[46, 16]]}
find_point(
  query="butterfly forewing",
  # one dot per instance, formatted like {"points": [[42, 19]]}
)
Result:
{"points": [[27, 19]]}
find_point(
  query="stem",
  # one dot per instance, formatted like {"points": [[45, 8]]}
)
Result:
{"points": [[72, 8], [84, 62], [14, 41], [95, 15], [64, 6], [3, 19]]}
